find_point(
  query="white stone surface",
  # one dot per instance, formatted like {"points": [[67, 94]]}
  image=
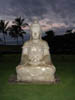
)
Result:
{"points": [[38, 73]]}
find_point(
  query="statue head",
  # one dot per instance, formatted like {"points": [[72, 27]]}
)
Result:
{"points": [[35, 29]]}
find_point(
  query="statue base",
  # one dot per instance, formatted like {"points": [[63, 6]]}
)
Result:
{"points": [[35, 73]]}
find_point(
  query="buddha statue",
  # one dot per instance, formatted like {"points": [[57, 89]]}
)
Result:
{"points": [[36, 64]]}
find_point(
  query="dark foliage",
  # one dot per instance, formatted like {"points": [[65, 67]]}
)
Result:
{"points": [[16, 30], [61, 44], [4, 29]]}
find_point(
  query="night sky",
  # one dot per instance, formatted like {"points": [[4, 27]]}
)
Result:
{"points": [[58, 15]]}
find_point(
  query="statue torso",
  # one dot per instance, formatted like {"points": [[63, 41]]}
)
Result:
{"points": [[35, 51]]}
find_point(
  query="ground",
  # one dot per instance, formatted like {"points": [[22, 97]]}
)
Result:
{"points": [[64, 90]]}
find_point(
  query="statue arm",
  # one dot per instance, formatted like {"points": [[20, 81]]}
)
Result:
{"points": [[47, 59], [24, 56], [47, 56], [23, 59]]}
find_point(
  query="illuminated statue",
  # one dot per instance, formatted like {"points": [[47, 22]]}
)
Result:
{"points": [[36, 64]]}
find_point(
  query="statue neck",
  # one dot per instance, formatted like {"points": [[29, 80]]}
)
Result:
{"points": [[35, 40]]}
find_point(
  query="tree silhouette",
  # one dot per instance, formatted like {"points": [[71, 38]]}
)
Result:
{"points": [[49, 36], [50, 33], [0, 40], [70, 39], [4, 28], [14, 32], [19, 23], [69, 31]]}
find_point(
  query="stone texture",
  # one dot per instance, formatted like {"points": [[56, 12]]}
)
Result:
{"points": [[35, 73]]}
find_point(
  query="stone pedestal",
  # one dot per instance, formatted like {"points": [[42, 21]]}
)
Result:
{"points": [[35, 73]]}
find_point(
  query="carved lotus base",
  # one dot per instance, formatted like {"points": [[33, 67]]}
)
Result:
{"points": [[35, 73]]}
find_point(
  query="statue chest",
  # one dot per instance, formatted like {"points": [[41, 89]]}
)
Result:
{"points": [[35, 53]]}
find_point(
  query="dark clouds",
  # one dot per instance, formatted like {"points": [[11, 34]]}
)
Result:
{"points": [[29, 7], [56, 11]]}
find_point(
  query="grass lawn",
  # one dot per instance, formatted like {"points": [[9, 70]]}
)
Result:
{"points": [[64, 90]]}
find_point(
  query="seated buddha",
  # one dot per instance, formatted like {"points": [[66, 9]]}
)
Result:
{"points": [[36, 64]]}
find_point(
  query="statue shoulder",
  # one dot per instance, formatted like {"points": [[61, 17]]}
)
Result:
{"points": [[45, 44], [26, 44]]}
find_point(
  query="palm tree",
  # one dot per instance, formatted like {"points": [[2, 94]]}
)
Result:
{"points": [[4, 28], [15, 32], [19, 22]]}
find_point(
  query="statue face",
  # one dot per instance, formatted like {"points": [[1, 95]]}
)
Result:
{"points": [[35, 30], [35, 35]]}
